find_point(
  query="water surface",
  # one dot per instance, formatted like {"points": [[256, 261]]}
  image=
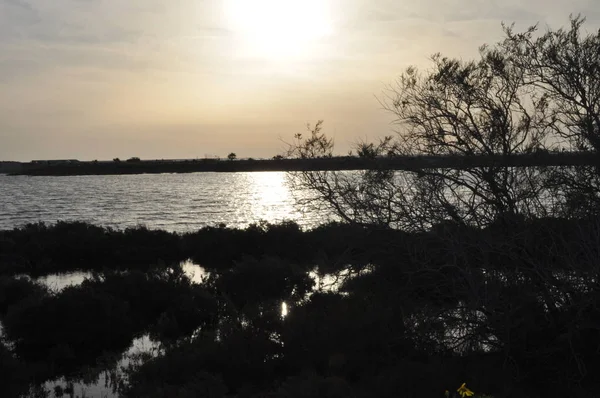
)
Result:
{"points": [[173, 202]]}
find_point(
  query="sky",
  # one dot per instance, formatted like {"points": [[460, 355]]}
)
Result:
{"points": [[172, 79]]}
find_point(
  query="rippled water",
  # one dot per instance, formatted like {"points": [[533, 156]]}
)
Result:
{"points": [[174, 202]]}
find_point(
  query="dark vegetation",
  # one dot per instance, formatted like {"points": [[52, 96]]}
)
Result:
{"points": [[10, 167], [280, 163], [88, 326], [527, 292], [37, 249], [487, 275]]}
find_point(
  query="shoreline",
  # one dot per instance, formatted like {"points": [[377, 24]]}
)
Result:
{"points": [[344, 163]]}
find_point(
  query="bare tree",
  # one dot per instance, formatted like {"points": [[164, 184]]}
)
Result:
{"points": [[367, 197], [564, 66], [472, 108], [456, 108]]}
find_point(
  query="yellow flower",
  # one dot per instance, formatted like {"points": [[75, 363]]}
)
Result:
{"points": [[447, 394], [464, 391]]}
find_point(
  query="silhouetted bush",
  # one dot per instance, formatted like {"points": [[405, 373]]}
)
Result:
{"points": [[201, 384], [70, 329], [244, 359], [15, 290], [15, 375], [165, 301], [311, 385], [220, 247], [40, 249], [252, 282]]}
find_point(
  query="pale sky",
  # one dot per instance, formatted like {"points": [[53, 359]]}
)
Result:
{"points": [[98, 79]]}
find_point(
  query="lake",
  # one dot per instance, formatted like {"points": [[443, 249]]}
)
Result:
{"points": [[173, 202]]}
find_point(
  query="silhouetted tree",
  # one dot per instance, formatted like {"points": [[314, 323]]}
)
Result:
{"points": [[563, 66], [232, 156], [522, 95], [458, 109]]}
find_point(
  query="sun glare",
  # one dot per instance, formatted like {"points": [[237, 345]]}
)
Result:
{"points": [[279, 28]]}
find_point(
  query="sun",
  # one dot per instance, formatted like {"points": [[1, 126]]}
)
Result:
{"points": [[279, 28]]}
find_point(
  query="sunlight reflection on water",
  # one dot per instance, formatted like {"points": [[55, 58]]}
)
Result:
{"points": [[174, 202]]}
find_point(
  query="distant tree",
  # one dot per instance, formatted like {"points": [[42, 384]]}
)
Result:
{"points": [[116, 160], [133, 159], [277, 157], [232, 156]]}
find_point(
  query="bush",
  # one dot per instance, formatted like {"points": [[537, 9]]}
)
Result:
{"points": [[15, 374], [41, 249], [15, 290], [243, 359], [69, 330]]}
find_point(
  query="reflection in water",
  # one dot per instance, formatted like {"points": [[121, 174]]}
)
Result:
{"points": [[271, 191], [106, 383], [284, 309], [173, 202], [57, 282], [195, 272], [333, 282]]}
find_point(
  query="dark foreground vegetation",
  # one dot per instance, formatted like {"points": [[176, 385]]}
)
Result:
{"points": [[512, 309]]}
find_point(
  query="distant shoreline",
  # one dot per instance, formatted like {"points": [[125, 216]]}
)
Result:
{"points": [[74, 167]]}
